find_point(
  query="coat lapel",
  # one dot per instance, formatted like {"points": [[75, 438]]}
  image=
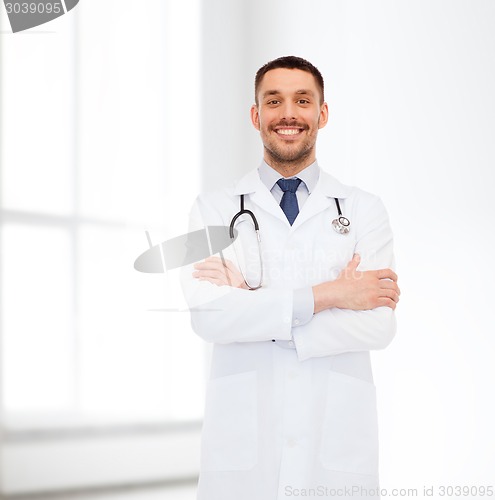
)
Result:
{"points": [[259, 195], [326, 189]]}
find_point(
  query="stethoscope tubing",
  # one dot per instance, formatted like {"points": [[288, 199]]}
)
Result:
{"points": [[341, 225]]}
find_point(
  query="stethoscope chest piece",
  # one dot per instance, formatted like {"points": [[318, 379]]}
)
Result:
{"points": [[341, 225]]}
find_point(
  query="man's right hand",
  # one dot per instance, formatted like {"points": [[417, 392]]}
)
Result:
{"points": [[358, 290]]}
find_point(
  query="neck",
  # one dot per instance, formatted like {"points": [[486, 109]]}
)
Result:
{"points": [[288, 168]]}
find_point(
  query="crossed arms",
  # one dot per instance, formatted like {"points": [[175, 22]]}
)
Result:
{"points": [[354, 312], [353, 289]]}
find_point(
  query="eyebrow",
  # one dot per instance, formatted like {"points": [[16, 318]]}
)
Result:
{"points": [[299, 92]]}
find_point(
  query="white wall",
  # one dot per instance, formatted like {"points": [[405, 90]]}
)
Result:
{"points": [[410, 90]]}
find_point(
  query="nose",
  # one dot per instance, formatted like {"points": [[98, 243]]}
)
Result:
{"points": [[288, 110]]}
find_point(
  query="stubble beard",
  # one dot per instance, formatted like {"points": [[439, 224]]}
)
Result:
{"points": [[288, 158], [285, 158]]}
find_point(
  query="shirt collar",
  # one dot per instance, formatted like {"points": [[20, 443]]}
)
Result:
{"points": [[327, 184], [309, 175]]}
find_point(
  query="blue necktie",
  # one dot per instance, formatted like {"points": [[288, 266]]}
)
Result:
{"points": [[289, 200]]}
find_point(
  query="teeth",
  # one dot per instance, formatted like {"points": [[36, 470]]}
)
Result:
{"points": [[288, 131]]}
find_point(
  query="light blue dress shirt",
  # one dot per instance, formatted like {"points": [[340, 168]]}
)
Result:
{"points": [[303, 300]]}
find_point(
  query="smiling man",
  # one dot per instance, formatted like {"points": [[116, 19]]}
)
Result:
{"points": [[293, 111], [292, 108], [291, 401]]}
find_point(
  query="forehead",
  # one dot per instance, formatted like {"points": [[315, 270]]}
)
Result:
{"points": [[287, 81]]}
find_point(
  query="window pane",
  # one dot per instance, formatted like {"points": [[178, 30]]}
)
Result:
{"points": [[36, 318], [140, 112], [111, 349], [135, 362], [122, 110], [37, 102]]}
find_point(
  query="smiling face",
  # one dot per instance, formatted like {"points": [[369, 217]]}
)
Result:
{"points": [[288, 115]]}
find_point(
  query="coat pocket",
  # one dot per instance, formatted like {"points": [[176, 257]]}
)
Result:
{"points": [[350, 430], [229, 438]]}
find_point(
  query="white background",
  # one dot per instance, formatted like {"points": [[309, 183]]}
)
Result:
{"points": [[412, 119]]}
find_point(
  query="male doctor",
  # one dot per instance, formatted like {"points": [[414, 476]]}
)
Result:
{"points": [[290, 406]]}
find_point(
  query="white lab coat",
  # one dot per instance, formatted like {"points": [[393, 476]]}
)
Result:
{"points": [[294, 417]]}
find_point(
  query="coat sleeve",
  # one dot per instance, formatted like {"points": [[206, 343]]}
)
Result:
{"points": [[226, 314], [335, 331]]}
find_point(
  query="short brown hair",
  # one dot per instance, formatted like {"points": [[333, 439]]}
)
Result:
{"points": [[289, 62]]}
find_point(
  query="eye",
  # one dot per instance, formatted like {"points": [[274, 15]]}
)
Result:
{"points": [[273, 102], [303, 101]]}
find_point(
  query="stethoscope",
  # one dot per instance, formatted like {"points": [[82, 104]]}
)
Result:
{"points": [[341, 225]]}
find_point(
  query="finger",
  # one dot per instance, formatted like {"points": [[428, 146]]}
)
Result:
{"points": [[354, 262], [228, 278], [231, 267], [219, 278], [211, 262], [386, 274], [213, 281], [386, 302], [392, 294], [390, 285], [209, 273], [213, 258], [209, 265], [220, 260], [229, 272], [351, 267]]}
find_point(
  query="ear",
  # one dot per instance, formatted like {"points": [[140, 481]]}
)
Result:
{"points": [[255, 116], [323, 115]]}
